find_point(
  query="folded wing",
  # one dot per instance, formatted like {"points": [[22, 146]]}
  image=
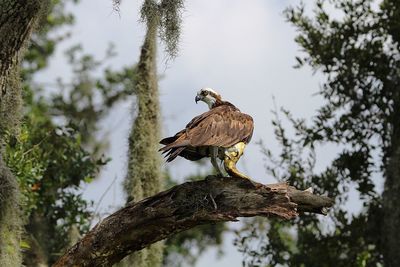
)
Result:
{"points": [[223, 126]]}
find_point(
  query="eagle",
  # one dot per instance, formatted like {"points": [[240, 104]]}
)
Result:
{"points": [[221, 133]]}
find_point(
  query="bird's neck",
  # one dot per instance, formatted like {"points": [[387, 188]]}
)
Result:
{"points": [[216, 103]]}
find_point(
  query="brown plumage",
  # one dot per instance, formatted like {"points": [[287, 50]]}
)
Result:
{"points": [[222, 127]]}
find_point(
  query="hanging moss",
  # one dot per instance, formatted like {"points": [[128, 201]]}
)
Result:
{"points": [[10, 104], [10, 215], [169, 16], [170, 24], [10, 219]]}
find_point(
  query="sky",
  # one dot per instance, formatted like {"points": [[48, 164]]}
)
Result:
{"points": [[245, 50]]}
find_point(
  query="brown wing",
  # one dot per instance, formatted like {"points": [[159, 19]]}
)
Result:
{"points": [[223, 126]]}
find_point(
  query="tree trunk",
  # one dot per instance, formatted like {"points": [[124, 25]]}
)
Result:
{"points": [[212, 200], [390, 204], [17, 19], [144, 174]]}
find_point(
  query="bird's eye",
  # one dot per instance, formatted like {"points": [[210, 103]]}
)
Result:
{"points": [[204, 93]]}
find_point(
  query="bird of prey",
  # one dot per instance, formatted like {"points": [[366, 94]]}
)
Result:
{"points": [[220, 133]]}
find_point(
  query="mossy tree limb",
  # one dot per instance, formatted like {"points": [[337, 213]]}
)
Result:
{"points": [[143, 177], [163, 19], [144, 172], [215, 199], [17, 20]]}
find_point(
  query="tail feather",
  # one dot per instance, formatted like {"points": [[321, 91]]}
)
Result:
{"points": [[168, 140], [189, 153], [173, 146], [173, 154]]}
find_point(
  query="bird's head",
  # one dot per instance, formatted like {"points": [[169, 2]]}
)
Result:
{"points": [[209, 96]]}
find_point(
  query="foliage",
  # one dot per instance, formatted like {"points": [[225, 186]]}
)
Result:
{"points": [[51, 165], [89, 99], [185, 248], [45, 39], [358, 51]]}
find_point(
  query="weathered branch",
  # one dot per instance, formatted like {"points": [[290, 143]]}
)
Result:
{"points": [[214, 199]]}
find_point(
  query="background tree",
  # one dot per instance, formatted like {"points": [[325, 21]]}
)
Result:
{"points": [[358, 52]]}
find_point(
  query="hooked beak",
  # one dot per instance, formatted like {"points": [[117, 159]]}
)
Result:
{"points": [[198, 98]]}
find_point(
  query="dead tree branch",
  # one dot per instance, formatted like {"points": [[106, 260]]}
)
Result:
{"points": [[212, 200]]}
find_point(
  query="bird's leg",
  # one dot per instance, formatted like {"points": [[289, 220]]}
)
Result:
{"points": [[214, 156], [232, 155], [222, 168]]}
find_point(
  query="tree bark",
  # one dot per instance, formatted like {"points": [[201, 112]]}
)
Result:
{"points": [[390, 202], [17, 20], [215, 199]]}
